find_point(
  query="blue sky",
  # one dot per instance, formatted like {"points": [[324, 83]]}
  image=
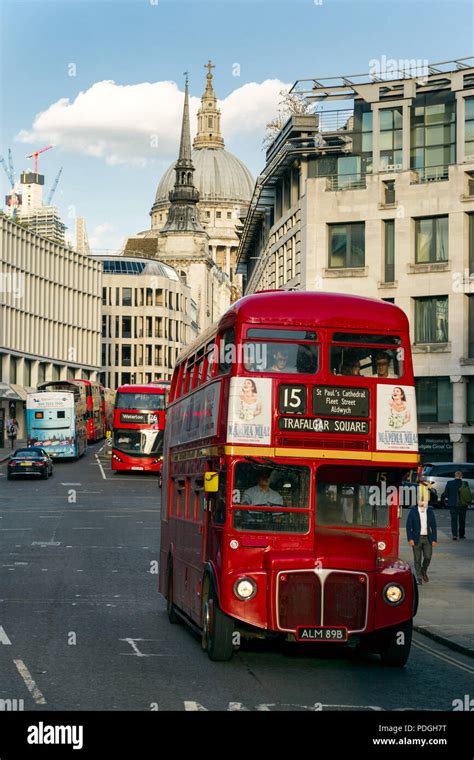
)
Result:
{"points": [[110, 173]]}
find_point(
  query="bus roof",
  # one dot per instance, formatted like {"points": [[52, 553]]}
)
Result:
{"points": [[318, 309], [128, 388]]}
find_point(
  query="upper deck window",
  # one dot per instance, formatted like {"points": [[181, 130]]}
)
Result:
{"points": [[283, 334], [146, 401], [375, 359]]}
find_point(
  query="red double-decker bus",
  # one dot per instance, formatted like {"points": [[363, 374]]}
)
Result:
{"points": [[92, 393], [139, 423], [290, 426]]}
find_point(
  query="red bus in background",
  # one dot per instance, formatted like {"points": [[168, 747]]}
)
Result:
{"points": [[95, 407], [108, 403], [138, 427], [289, 429]]}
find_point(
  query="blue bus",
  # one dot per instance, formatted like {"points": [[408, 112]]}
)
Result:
{"points": [[56, 422]]}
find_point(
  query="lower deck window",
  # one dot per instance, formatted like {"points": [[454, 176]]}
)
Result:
{"points": [[356, 496], [267, 497]]}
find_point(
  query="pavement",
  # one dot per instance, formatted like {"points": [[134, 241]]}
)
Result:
{"points": [[5, 451], [446, 607]]}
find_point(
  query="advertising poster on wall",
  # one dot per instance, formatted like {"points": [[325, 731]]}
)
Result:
{"points": [[250, 410], [396, 418]]}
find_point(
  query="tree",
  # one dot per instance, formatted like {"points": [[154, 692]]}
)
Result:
{"points": [[291, 104]]}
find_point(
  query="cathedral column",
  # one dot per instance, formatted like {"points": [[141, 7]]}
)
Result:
{"points": [[227, 260]]}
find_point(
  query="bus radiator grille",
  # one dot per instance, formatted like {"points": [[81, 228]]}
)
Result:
{"points": [[300, 600]]}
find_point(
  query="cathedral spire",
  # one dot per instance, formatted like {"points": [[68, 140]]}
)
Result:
{"points": [[183, 214], [209, 117]]}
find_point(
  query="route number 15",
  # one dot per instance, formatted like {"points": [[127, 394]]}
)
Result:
{"points": [[292, 398]]}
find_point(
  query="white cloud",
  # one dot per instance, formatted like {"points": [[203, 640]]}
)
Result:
{"points": [[134, 124]]}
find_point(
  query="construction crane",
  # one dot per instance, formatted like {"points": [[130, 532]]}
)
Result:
{"points": [[35, 155], [10, 166], [53, 189], [8, 172]]}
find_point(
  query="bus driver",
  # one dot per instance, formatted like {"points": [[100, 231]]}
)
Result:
{"points": [[262, 495]]}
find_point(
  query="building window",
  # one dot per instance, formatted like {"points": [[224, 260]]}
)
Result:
{"points": [[433, 137], [367, 125], [391, 135], [229, 215], [434, 399], [126, 327], [389, 192], [470, 331], [218, 214], [389, 250], [126, 296], [431, 320], [104, 296], [347, 245], [470, 401], [471, 243], [469, 129], [431, 239], [27, 373], [126, 355]]}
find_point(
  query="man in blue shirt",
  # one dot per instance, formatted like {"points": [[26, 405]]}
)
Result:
{"points": [[422, 536]]}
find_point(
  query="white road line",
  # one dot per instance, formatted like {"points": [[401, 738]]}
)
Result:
{"points": [[93, 528], [101, 468], [444, 657], [16, 528], [3, 636], [71, 484], [30, 684]]}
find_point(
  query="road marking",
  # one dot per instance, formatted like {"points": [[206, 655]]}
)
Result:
{"points": [[30, 684], [101, 468], [16, 528], [136, 652], [46, 543], [444, 657], [71, 484], [93, 528], [3, 636]]}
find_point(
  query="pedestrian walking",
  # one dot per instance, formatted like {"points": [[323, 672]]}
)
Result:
{"points": [[422, 536], [458, 496], [12, 431]]}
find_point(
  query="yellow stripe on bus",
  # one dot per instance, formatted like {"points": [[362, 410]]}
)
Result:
{"points": [[375, 456]]}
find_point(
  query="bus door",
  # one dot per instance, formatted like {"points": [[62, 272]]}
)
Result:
{"points": [[214, 516]]}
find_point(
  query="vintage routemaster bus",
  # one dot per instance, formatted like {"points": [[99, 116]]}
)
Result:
{"points": [[289, 428], [139, 423]]}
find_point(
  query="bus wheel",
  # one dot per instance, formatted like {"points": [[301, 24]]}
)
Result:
{"points": [[218, 628], [396, 644], [170, 608]]}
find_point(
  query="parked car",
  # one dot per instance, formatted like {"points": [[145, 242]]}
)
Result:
{"points": [[437, 474], [30, 461]]}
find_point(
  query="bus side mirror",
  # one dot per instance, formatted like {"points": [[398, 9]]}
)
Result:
{"points": [[211, 482]]}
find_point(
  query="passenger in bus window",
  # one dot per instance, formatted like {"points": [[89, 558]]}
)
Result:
{"points": [[280, 361], [382, 363], [351, 366], [262, 495]]}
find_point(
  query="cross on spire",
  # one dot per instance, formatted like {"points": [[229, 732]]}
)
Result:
{"points": [[209, 66]]}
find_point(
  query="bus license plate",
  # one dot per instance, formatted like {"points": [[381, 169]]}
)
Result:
{"points": [[321, 633], [136, 468]]}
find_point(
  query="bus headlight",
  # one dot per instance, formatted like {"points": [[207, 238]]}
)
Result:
{"points": [[245, 589], [393, 594]]}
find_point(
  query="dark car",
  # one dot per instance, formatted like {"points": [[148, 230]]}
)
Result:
{"points": [[32, 461]]}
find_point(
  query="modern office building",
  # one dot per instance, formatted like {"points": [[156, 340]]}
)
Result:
{"points": [[147, 318], [377, 199], [49, 315]]}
